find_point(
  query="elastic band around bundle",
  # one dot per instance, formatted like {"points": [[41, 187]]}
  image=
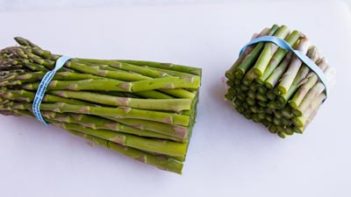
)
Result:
{"points": [[285, 45], [43, 86]]}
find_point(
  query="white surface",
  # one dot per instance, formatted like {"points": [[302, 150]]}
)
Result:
{"points": [[14, 5], [228, 155]]}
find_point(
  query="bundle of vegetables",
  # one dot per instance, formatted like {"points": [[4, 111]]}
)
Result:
{"points": [[271, 85], [144, 110]]}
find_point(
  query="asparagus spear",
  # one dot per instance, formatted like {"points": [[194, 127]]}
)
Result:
{"points": [[279, 56], [252, 56], [278, 72], [230, 73], [268, 51], [276, 88], [119, 112], [94, 122], [102, 70], [115, 85], [163, 147], [168, 66], [145, 110], [300, 77], [312, 78], [160, 161], [290, 74], [301, 120], [175, 105]]}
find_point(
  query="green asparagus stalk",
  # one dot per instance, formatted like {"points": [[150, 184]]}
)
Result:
{"points": [[26, 96], [311, 80], [230, 73], [268, 51], [145, 70], [162, 147], [160, 161], [172, 130], [308, 111], [128, 76], [295, 64], [167, 66], [144, 110], [310, 97], [94, 122], [115, 85], [119, 112], [252, 56], [106, 71], [278, 72], [175, 105], [300, 77], [279, 56], [275, 88]]}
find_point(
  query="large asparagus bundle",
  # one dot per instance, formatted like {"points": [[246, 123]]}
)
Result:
{"points": [[271, 85], [144, 110]]}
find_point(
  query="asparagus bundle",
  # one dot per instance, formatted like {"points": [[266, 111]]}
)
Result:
{"points": [[272, 86], [144, 110]]}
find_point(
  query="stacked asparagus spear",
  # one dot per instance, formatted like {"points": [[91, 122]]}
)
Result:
{"points": [[272, 86], [144, 110]]}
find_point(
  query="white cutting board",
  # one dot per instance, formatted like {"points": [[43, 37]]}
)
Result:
{"points": [[228, 155]]}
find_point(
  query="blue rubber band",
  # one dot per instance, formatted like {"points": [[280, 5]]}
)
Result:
{"points": [[285, 45], [43, 86]]}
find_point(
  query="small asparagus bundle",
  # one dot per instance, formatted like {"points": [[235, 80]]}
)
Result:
{"points": [[144, 110], [272, 86]]}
